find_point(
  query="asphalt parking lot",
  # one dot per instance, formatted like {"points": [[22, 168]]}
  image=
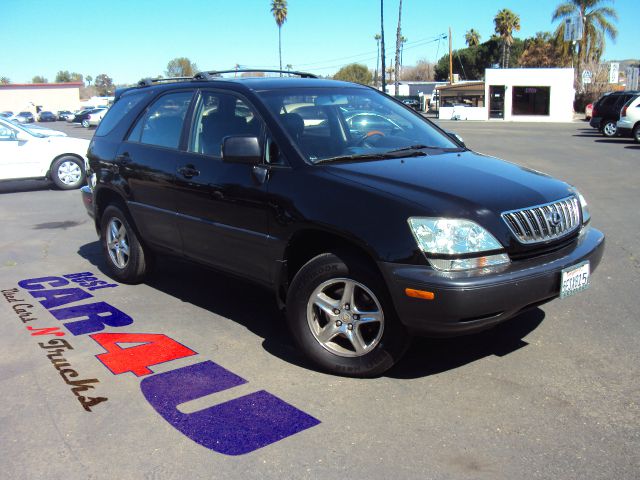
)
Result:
{"points": [[552, 394]]}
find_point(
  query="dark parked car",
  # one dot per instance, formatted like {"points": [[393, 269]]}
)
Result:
{"points": [[365, 236], [46, 117], [6, 114], [82, 115], [64, 114], [606, 111], [412, 102], [25, 117]]}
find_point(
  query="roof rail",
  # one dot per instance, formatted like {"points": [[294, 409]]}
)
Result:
{"points": [[147, 82], [218, 73]]}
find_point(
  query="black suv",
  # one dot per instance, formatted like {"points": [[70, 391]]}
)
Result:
{"points": [[367, 230], [606, 111]]}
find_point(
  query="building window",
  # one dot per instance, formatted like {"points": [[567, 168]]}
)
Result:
{"points": [[531, 100]]}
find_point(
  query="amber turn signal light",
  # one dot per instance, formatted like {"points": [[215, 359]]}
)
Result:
{"points": [[422, 294]]}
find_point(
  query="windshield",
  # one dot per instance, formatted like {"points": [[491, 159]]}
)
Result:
{"points": [[16, 126], [341, 124]]}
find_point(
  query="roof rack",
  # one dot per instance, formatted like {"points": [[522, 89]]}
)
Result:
{"points": [[218, 73], [147, 82]]}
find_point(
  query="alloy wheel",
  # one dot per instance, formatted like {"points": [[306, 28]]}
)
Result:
{"points": [[118, 243]]}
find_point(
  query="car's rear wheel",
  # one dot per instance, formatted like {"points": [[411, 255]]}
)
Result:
{"points": [[341, 316], [85, 123], [127, 260], [610, 128], [636, 133], [67, 173]]}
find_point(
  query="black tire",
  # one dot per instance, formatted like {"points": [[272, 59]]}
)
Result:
{"points": [[68, 172], [636, 133], [127, 260], [609, 128], [380, 349], [85, 123]]}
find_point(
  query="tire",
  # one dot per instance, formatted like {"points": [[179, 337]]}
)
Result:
{"points": [[85, 123], [67, 173], [636, 133], [342, 318], [609, 128], [127, 260]]}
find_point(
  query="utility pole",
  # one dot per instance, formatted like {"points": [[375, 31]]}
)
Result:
{"points": [[384, 72], [450, 59]]}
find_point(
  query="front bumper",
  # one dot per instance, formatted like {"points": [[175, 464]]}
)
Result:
{"points": [[467, 302]]}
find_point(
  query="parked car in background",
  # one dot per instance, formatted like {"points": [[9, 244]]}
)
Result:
{"points": [[94, 119], [606, 111], [413, 103], [24, 153], [46, 116], [23, 117], [64, 114], [367, 234], [6, 114], [629, 123], [588, 111], [84, 114]]}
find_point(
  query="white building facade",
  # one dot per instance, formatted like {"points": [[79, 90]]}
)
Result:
{"points": [[530, 94]]}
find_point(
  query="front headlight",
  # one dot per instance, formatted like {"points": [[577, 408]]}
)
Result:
{"points": [[586, 216], [444, 236]]}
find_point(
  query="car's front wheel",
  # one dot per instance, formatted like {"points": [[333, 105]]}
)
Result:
{"points": [[85, 123], [67, 173], [341, 316], [636, 133], [610, 128], [127, 260]]}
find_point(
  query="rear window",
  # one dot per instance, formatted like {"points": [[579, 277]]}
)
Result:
{"points": [[117, 113]]}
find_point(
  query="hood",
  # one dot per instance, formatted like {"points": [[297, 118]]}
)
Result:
{"points": [[69, 144], [462, 184]]}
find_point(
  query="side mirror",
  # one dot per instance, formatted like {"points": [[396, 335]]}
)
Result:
{"points": [[241, 149], [457, 138]]}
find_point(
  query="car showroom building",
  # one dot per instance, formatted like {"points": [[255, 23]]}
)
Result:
{"points": [[27, 97]]}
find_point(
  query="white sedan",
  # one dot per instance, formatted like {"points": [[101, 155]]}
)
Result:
{"points": [[27, 154], [94, 119]]}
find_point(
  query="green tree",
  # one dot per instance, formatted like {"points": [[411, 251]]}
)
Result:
{"points": [[89, 79], [279, 12], [39, 79], [505, 23], [64, 76], [544, 50], [5, 80], [179, 67], [104, 85], [598, 23], [354, 72], [472, 38]]}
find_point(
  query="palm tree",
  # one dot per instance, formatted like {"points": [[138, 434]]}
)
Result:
{"points": [[597, 23], [279, 11], [396, 82], [472, 38], [377, 38], [505, 23]]}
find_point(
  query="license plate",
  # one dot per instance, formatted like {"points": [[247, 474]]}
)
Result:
{"points": [[574, 279]]}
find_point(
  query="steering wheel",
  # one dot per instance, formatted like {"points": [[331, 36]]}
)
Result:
{"points": [[373, 133]]}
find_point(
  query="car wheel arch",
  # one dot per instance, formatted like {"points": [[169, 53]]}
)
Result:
{"points": [[308, 243], [104, 197], [62, 155]]}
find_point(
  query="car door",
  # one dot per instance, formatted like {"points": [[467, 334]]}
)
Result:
{"points": [[222, 207], [146, 163], [22, 158]]}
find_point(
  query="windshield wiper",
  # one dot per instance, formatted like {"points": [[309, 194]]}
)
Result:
{"points": [[371, 156], [418, 146]]}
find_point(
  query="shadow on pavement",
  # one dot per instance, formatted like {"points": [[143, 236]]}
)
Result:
{"points": [[255, 308], [429, 356], [633, 147], [615, 140], [16, 186]]}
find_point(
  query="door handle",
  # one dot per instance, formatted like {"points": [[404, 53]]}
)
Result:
{"points": [[123, 158], [188, 171]]}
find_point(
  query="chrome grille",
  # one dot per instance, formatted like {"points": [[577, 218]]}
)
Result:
{"points": [[544, 222]]}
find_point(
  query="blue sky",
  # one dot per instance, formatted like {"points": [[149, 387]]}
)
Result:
{"points": [[131, 39]]}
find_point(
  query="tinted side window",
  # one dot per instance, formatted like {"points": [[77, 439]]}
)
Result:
{"points": [[117, 113], [609, 101], [221, 115], [161, 125]]}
